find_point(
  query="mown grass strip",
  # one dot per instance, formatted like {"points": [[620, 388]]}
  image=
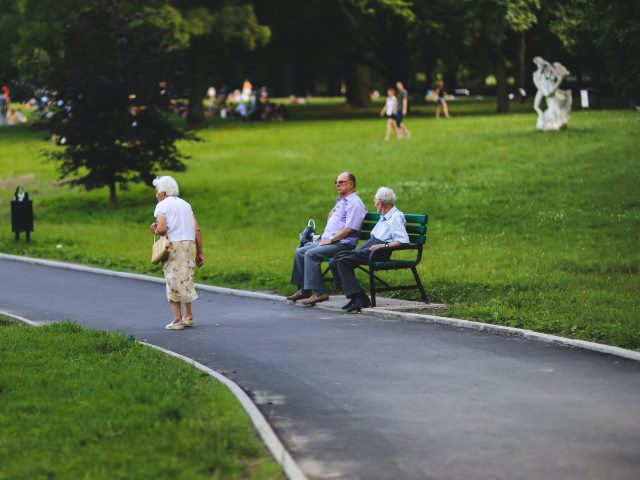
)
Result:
{"points": [[78, 403]]}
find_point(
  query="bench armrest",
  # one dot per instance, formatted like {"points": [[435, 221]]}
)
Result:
{"points": [[407, 246]]}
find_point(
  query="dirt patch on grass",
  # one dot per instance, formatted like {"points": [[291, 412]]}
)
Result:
{"points": [[10, 183]]}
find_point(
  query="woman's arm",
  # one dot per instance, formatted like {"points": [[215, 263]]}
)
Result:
{"points": [[199, 257], [159, 227]]}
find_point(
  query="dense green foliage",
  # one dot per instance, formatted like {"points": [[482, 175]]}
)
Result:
{"points": [[529, 229], [77, 403], [103, 63], [322, 46], [107, 65]]}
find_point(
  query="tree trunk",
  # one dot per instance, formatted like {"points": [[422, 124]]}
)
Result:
{"points": [[197, 87], [334, 82], [520, 65], [501, 80], [451, 76], [400, 53], [112, 194], [195, 110], [359, 85]]}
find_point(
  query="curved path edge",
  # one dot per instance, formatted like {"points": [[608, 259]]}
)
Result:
{"points": [[260, 423], [456, 322]]}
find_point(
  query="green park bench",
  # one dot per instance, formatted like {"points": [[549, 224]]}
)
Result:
{"points": [[417, 229]]}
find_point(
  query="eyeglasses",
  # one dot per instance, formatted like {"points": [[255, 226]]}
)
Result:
{"points": [[340, 182]]}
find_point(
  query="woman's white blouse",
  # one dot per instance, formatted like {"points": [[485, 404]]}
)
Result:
{"points": [[179, 216]]}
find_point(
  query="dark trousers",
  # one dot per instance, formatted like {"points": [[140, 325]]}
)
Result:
{"points": [[306, 273], [343, 266]]}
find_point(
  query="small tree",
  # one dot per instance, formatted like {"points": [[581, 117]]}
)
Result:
{"points": [[106, 69]]}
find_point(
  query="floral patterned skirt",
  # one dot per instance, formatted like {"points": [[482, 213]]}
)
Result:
{"points": [[178, 272]]}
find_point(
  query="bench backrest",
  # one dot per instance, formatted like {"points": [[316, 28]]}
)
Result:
{"points": [[416, 226]]}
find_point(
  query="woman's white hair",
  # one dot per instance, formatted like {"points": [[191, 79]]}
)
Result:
{"points": [[167, 185], [386, 196]]}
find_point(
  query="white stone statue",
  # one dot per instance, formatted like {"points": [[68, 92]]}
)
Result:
{"points": [[548, 78]]}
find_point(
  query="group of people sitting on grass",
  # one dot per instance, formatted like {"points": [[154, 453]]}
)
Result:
{"points": [[248, 105], [175, 219]]}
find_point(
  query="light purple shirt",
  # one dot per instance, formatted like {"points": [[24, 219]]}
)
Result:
{"points": [[348, 212]]}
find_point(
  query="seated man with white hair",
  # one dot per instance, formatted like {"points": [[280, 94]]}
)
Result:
{"points": [[390, 231]]}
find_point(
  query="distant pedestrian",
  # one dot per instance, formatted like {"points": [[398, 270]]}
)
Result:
{"points": [[440, 96], [402, 96], [389, 111], [5, 101], [175, 219], [211, 93], [3, 111]]}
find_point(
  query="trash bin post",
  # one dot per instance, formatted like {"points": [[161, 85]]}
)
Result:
{"points": [[21, 214]]}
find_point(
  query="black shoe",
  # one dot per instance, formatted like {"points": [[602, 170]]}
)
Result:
{"points": [[349, 305], [361, 301]]}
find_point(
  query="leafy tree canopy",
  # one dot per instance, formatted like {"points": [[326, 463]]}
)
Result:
{"points": [[104, 63]]}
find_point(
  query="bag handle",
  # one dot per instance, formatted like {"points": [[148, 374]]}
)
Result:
{"points": [[154, 238], [311, 220]]}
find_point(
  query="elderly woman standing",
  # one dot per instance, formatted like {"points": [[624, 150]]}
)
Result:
{"points": [[175, 219]]}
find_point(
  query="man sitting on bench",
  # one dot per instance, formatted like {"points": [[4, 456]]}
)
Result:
{"points": [[341, 234], [390, 231]]}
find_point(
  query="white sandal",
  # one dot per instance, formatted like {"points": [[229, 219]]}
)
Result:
{"points": [[175, 325]]}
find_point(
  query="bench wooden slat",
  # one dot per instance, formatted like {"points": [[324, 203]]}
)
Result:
{"points": [[420, 239], [421, 229], [416, 218]]}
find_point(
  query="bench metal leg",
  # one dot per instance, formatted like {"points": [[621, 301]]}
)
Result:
{"points": [[372, 285], [325, 278], [425, 297]]}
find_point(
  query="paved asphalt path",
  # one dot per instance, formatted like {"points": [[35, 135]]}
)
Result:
{"points": [[359, 397]]}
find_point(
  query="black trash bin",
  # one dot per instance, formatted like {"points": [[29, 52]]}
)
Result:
{"points": [[21, 214]]}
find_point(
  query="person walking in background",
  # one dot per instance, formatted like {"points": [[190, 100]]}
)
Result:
{"points": [[175, 219], [5, 94], [389, 232], [4, 105], [402, 97], [440, 97], [211, 93], [389, 111], [341, 234], [3, 111]]}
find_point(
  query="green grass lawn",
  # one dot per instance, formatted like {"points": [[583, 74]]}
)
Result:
{"points": [[77, 403], [527, 229]]}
